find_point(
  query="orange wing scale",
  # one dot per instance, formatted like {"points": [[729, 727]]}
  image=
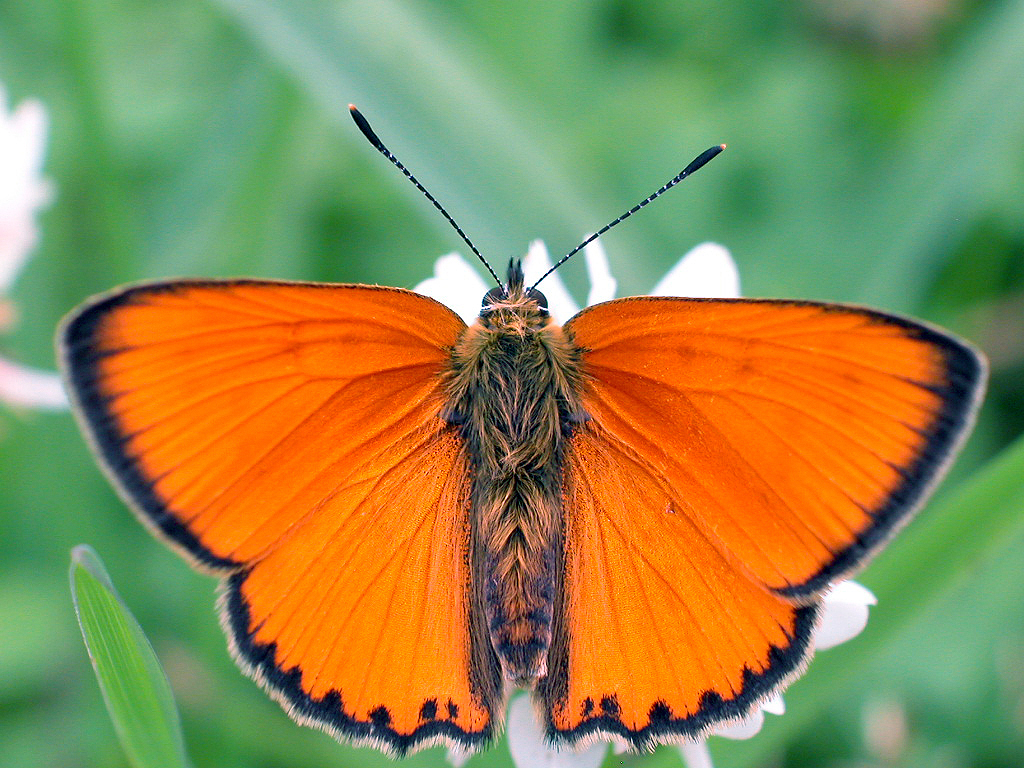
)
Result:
{"points": [[740, 455], [288, 436]]}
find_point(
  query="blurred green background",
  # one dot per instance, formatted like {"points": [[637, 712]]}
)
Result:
{"points": [[876, 155]]}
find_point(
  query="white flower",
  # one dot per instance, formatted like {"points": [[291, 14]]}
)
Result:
{"points": [[707, 271], [23, 191]]}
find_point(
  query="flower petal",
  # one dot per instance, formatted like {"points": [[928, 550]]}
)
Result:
{"points": [[22, 147], [850, 591], [602, 283], [529, 747], [775, 705], [696, 755], [457, 757], [22, 189], [455, 284], [31, 388], [707, 271], [537, 262], [744, 729], [845, 614], [17, 238]]}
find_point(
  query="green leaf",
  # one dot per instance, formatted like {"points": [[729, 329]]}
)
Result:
{"points": [[134, 685], [956, 532]]}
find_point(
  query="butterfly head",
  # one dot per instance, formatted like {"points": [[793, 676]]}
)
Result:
{"points": [[514, 301]]}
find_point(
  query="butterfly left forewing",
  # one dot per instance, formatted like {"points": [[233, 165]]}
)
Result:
{"points": [[288, 436], [739, 456]]}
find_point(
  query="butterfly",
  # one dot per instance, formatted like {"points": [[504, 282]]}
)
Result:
{"points": [[634, 515]]}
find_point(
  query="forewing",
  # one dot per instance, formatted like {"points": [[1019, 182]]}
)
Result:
{"points": [[288, 435], [798, 435]]}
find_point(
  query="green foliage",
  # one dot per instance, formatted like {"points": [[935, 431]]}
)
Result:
{"points": [[134, 685], [209, 137]]}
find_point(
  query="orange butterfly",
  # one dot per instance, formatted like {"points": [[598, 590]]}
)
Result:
{"points": [[634, 515]]}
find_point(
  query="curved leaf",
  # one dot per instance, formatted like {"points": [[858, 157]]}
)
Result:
{"points": [[134, 685]]}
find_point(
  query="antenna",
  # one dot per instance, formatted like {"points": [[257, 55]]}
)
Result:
{"points": [[364, 126], [698, 162]]}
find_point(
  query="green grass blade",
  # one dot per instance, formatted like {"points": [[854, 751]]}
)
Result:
{"points": [[956, 532], [134, 685]]}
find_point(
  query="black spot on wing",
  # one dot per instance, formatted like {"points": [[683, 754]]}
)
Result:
{"points": [[660, 712], [610, 705], [588, 707]]}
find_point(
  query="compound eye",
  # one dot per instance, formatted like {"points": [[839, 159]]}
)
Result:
{"points": [[495, 294], [540, 298]]}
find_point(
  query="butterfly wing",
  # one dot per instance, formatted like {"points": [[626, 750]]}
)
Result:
{"points": [[287, 436], [740, 456]]}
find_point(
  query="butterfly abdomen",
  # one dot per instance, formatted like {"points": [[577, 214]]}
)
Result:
{"points": [[514, 391]]}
